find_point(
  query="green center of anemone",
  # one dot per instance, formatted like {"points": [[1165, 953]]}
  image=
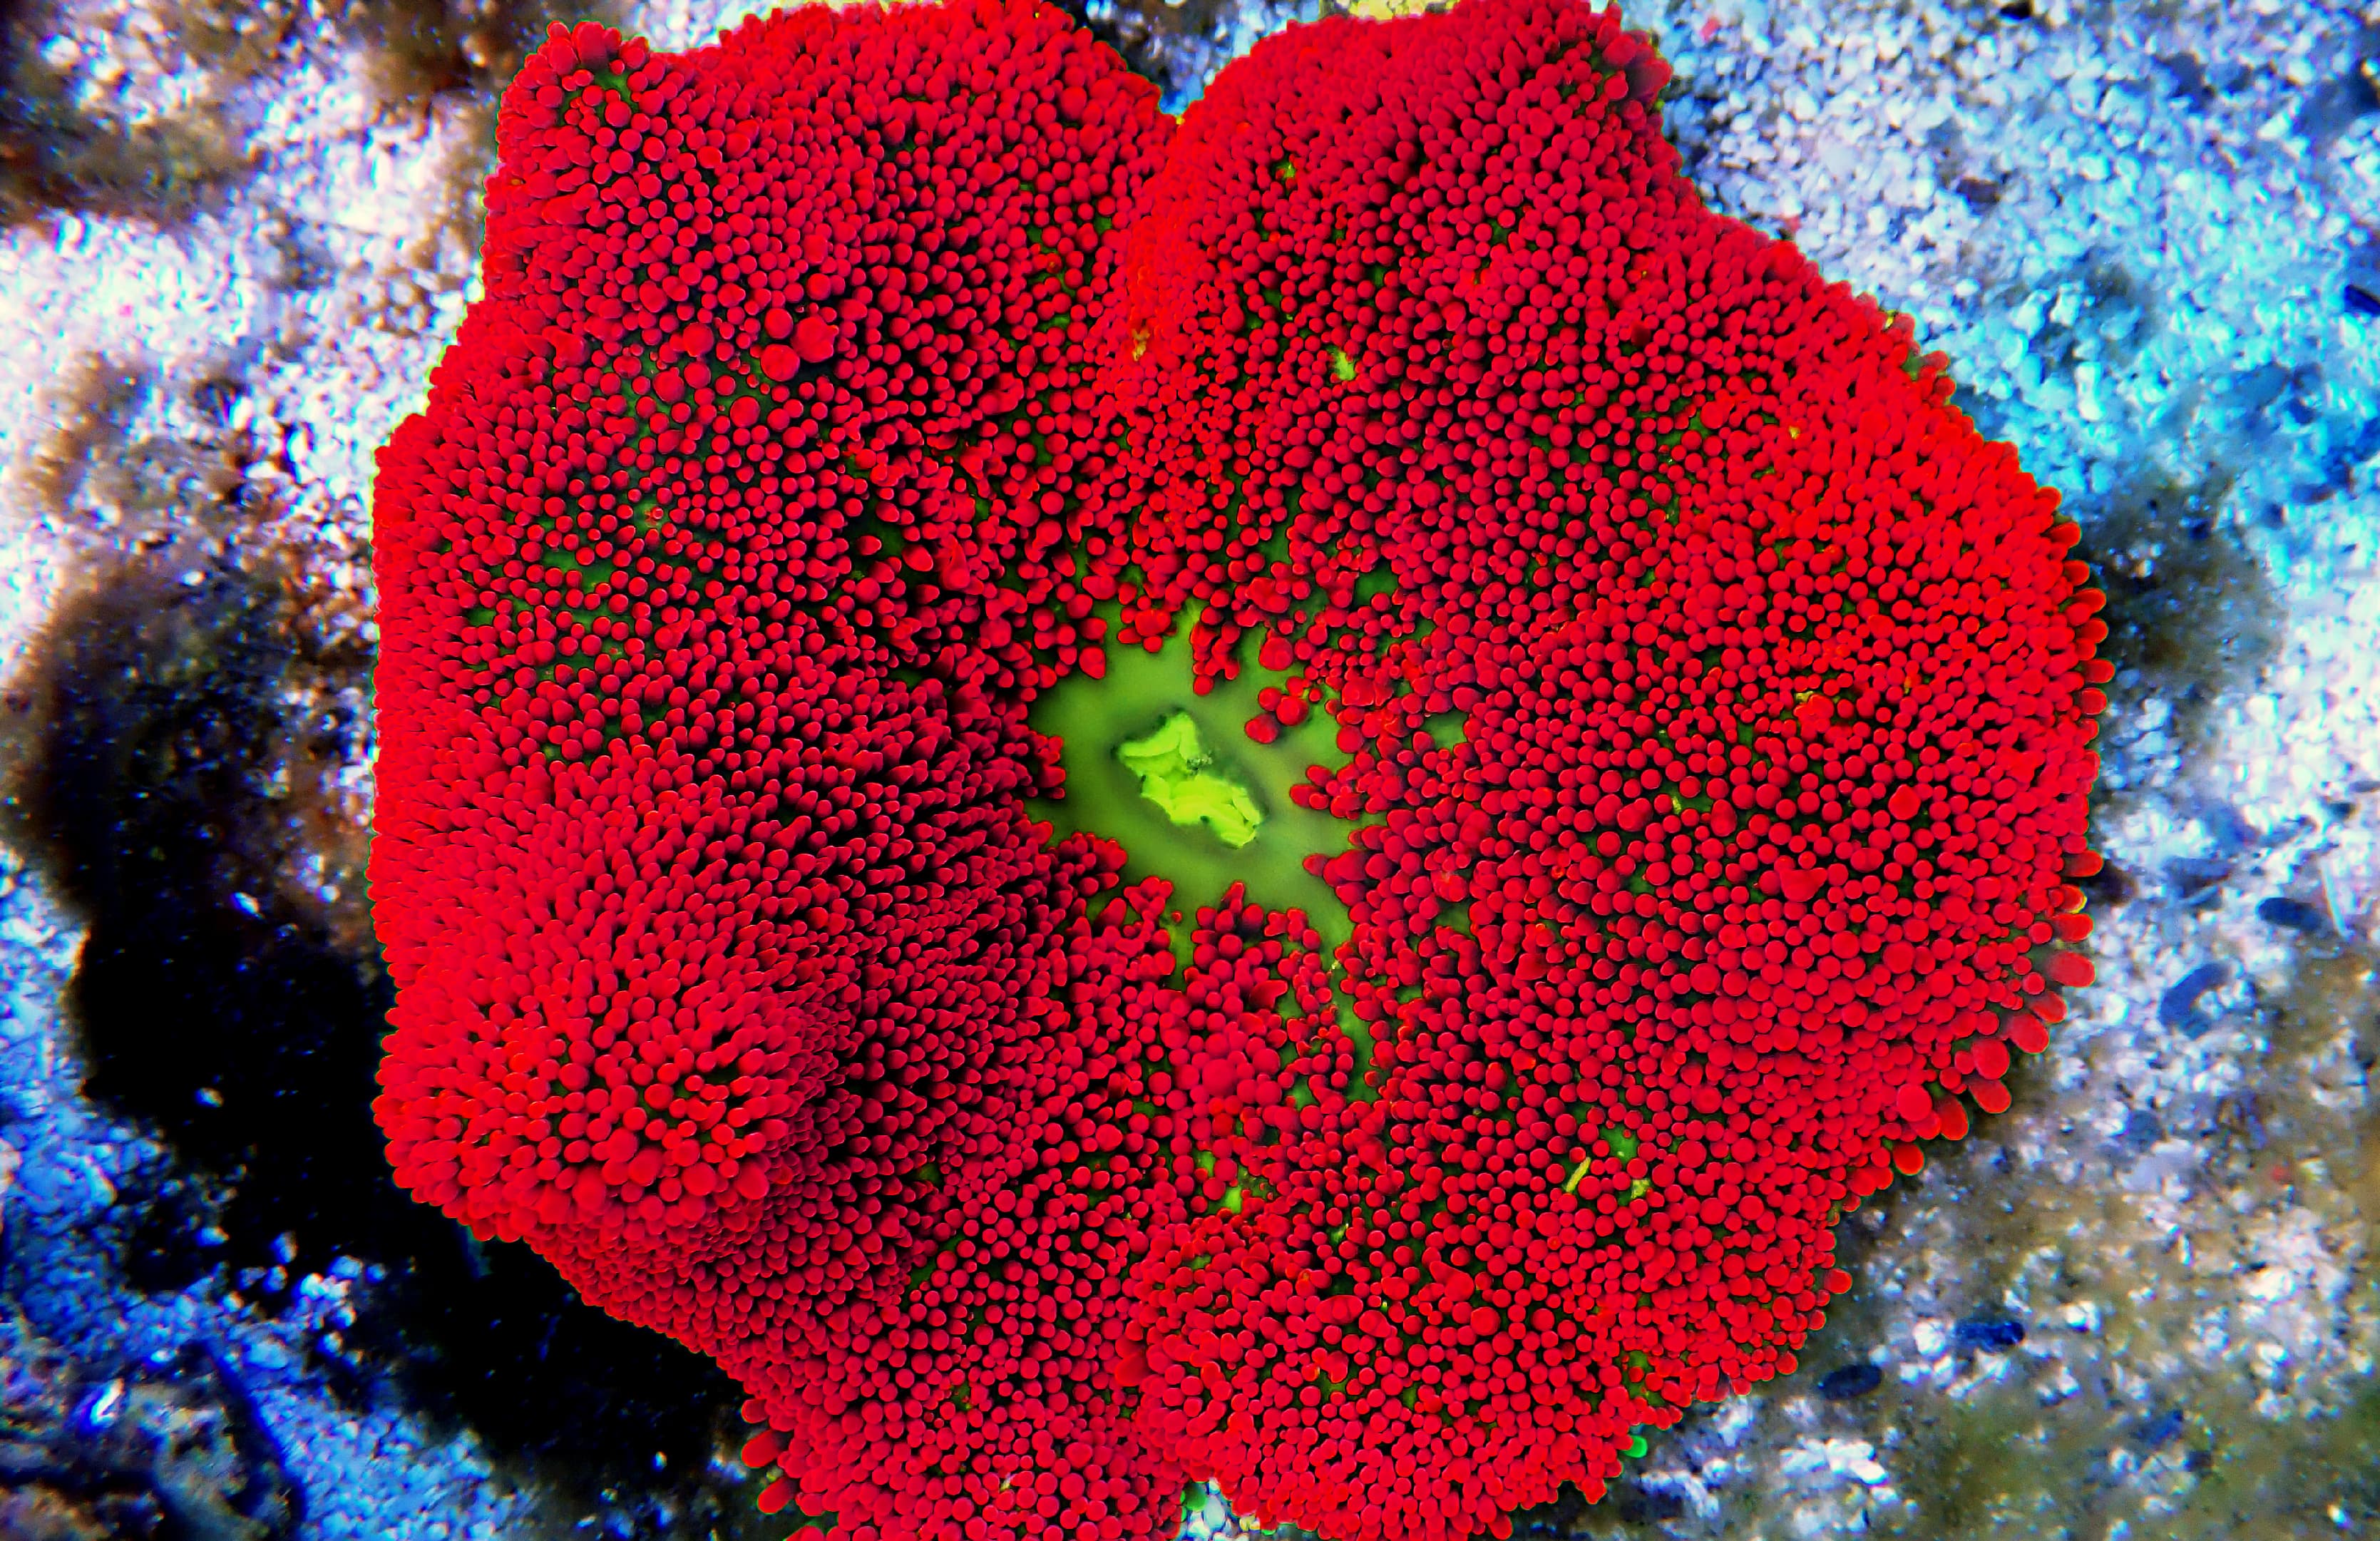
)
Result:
{"points": [[1169, 772]]}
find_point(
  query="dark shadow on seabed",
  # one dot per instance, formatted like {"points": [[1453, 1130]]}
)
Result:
{"points": [[164, 776]]}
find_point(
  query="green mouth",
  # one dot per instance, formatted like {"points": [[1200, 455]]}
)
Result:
{"points": [[1173, 776], [1172, 764]]}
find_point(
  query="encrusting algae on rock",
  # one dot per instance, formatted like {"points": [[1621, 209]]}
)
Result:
{"points": [[884, 438]]}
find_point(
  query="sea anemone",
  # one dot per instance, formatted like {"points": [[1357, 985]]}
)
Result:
{"points": [[1295, 802]]}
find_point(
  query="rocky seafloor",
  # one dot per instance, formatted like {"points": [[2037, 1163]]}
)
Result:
{"points": [[235, 235]]}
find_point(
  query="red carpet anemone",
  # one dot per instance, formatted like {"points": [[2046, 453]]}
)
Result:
{"points": [[1292, 799]]}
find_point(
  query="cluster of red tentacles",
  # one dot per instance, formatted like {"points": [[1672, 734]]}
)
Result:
{"points": [[1717, 705]]}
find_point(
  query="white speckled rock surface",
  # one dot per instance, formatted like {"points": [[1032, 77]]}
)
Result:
{"points": [[2140, 1303]]}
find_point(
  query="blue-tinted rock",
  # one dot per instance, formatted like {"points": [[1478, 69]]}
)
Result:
{"points": [[2178, 1006], [1988, 1334], [2227, 827], [2295, 915], [2196, 878], [1852, 1381]]}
